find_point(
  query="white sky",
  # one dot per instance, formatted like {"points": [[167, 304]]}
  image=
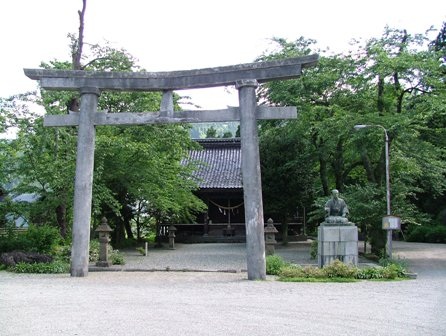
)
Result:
{"points": [[180, 35]]}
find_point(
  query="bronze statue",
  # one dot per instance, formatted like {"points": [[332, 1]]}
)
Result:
{"points": [[336, 207]]}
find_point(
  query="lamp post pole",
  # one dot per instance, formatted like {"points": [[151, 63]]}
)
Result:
{"points": [[386, 152]]}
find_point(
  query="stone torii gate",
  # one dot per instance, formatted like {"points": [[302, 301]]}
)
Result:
{"points": [[245, 77]]}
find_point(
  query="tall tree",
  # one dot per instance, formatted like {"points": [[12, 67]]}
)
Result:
{"points": [[132, 165], [287, 172], [394, 81]]}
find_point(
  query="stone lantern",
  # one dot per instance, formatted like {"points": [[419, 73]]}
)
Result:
{"points": [[172, 230], [104, 238], [270, 237]]}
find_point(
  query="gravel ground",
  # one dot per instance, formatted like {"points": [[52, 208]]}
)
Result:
{"points": [[222, 303]]}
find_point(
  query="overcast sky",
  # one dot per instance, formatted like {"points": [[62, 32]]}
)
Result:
{"points": [[180, 35]]}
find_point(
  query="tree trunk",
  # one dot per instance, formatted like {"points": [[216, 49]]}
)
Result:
{"points": [[323, 175], [368, 166], [127, 215], [128, 229], [338, 165], [119, 232], [380, 98], [61, 217]]}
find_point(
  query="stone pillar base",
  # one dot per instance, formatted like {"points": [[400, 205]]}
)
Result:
{"points": [[337, 242]]}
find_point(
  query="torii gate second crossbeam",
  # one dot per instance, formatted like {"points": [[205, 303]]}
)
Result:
{"points": [[245, 77]]}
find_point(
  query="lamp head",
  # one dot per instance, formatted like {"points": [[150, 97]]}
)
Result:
{"points": [[358, 127]]}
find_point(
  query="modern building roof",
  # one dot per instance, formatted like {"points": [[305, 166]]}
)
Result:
{"points": [[220, 163]]}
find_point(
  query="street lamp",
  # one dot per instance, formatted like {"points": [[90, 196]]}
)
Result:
{"points": [[389, 232]]}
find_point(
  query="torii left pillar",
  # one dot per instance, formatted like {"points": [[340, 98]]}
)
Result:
{"points": [[84, 182]]}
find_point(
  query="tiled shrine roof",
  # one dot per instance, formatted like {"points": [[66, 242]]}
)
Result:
{"points": [[221, 163]]}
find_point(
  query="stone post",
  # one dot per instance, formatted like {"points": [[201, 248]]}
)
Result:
{"points": [[252, 184], [84, 182], [172, 230], [104, 238], [270, 237]]}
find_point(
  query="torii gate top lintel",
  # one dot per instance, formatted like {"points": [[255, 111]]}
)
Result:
{"points": [[172, 80]]}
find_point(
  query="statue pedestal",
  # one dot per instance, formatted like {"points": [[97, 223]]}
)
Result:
{"points": [[337, 242]]}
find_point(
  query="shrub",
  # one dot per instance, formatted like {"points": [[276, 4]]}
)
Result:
{"points": [[63, 253], [116, 258], [292, 271], [428, 234], [141, 250], [53, 267], [417, 234], [274, 264], [390, 272], [296, 271], [313, 249], [337, 269], [94, 250], [369, 273], [393, 268], [42, 239], [15, 242], [436, 234], [313, 272]]}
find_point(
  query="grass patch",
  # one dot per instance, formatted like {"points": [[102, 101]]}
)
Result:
{"points": [[341, 280]]}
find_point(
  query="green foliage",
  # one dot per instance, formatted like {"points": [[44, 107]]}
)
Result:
{"points": [[314, 249], [337, 269], [133, 165], [141, 250], [117, 258], [63, 253], [53, 267], [370, 273], [214, 130], [287, 169], [13, 242], [211, 133], [296, 271], [94, 250], [274, 264], [396, 81], [42, 239], [427, 234]]}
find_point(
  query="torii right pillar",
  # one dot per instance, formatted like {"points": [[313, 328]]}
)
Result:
{"points": [[252, 182]]}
